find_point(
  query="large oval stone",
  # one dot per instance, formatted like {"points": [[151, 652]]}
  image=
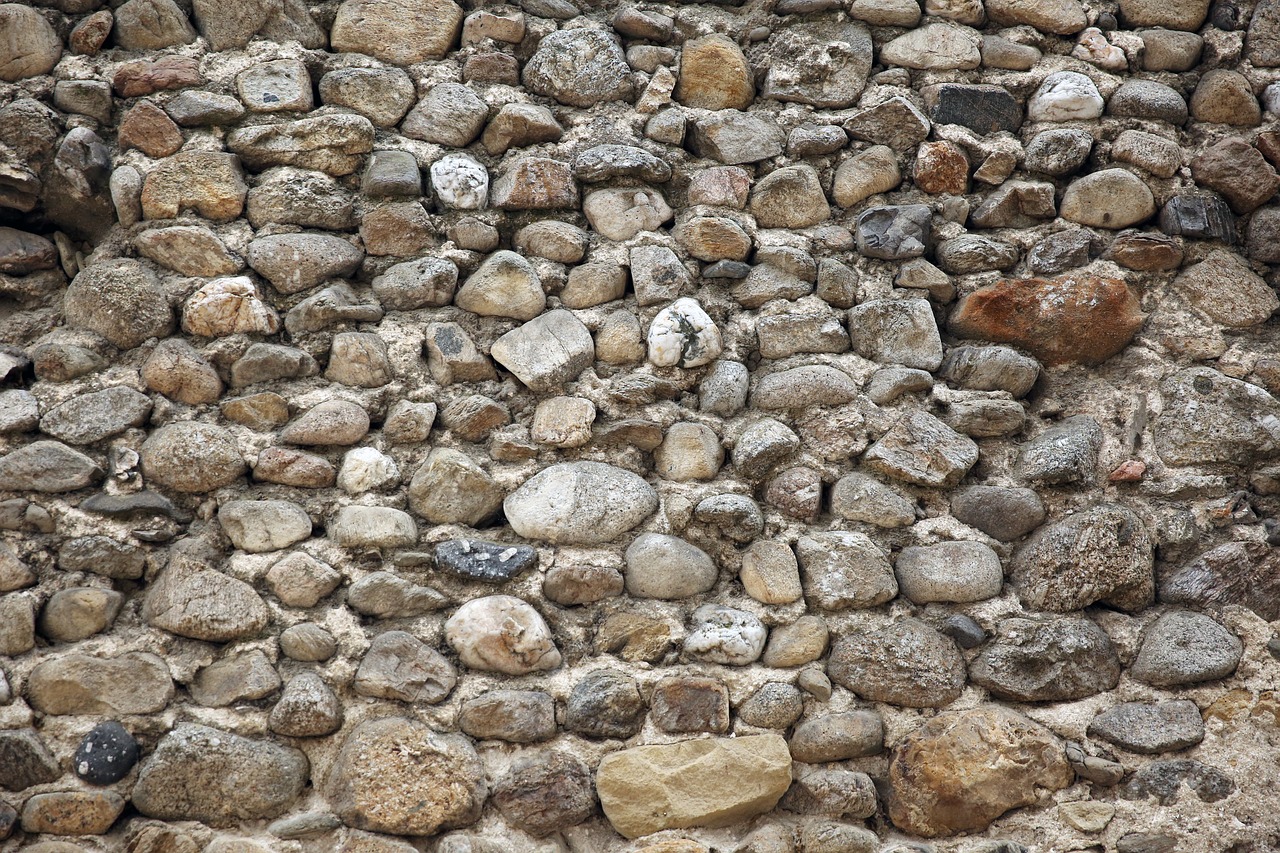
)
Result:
{"points": [[215, 777], [579, 503], [399, 776], [1073, 318], [133, 683]]}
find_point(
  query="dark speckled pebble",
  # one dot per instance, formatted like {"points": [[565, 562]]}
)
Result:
{"points": [[8, 819], [967, 633], [106, 754], [491, 562]]}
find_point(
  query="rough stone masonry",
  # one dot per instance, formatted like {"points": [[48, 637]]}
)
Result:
{"points": [[639, 426]]}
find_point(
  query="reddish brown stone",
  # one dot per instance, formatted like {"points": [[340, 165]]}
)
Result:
{"points": [[1072, 318], [142, 77], [962, 770], [690, 704], [293, 468], [1268, 143], [536, 183], [149, 129], [1236, 169], [1128, 472], [1146, 251], [942, 167], [88, 36], [402, 229]]}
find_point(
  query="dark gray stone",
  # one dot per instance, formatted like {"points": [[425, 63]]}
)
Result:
{"points": [[1146, 842], [605, 704], [492, 562], [981, 108], [620, 161], [1001, 512], [967, 633], [106, 754], [1183, 647], [1200, 215], [895, 232], [1047, 660], [908, 664], [1164, 780], [134, 504], [25, 760], [1062, 251], [1150, 728], [546, 793], [1058, 152]]}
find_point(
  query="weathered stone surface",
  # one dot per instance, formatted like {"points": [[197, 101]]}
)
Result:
{"points": [[191, 600], [1210, 417], [1074, 318], [191, 457], [650, 788], [399, 666], [48, 466], [132, 683], [1150, 729], [546, 793], [822, 63], [714, 75], [1244, 573], [843, 570], [921, 449], [1183, 647], [399, 776], [1239, 172], [547, 352], [210, 183], [580, 68], [120, 300], [1101, 555], [27, 761], [238, 678], [907, 664], [733, 137], [395, 31], [1052, 659], [962, 770], [219, 778], [501, 633], [515, 716], [949, 571], [29, 47]]}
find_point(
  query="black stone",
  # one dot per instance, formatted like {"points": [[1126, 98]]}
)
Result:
{"points": [[492, 562], [1199, 215], [106, 754], [981, 108], [1273, 647], [1225, 16], [967, 633], [1164, 780], [25, 760], [895, 232]]}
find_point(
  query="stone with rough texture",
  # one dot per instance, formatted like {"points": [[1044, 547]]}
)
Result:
{"points": [[25, 760], [48, 466], [908, 664], [822, 63], [131, 683], [1051, 659], [191, 457], [399, 666], [949, 571], [1227, 290], [219, 778], [1210, 417], [1150, 729], [921, 449], [1183, 647], [1239, 172], [1111, 198], [962, 770], [1103, 554], [398, 776], [1073, 318], [28, 44], [715, 782], [545, 793], [395, 31], [106, 754], [714, 75], [120, 300], [580, 68], [842, 570], [547, 352], [191, 600]]}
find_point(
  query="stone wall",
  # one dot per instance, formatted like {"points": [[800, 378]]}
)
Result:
{"points": [[805, 426]]}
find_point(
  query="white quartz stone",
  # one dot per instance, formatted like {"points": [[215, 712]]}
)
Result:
{"points": [[460, 182], [365, 469], [726, 636], [683, 334], [1065, 96]]}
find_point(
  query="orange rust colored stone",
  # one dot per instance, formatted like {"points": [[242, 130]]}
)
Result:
{"points": [[149, 129], [1070, 319], [942, 167], [1128, 472], [142, 77]]}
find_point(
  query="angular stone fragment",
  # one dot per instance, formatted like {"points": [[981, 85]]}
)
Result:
{"points": [[334, 144], [399, 666], [841, 570], [1077, 317], [790, 197], [1239, 172], [922, 450], [228, 306], [547, 352], [822, 63], [396, 32], [982, 108], [535, 183], [733, 137], [201, 773], [1202, 215], [1101, 555], [1164, 780], [962, 770], [897, 123], [25, 760], [650, 788], [896, 331], [895, 233], [934, 47], [382, 95], [210, 183], [1052, 659], [198, 602], [1243, 573], [1224, 287]]}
